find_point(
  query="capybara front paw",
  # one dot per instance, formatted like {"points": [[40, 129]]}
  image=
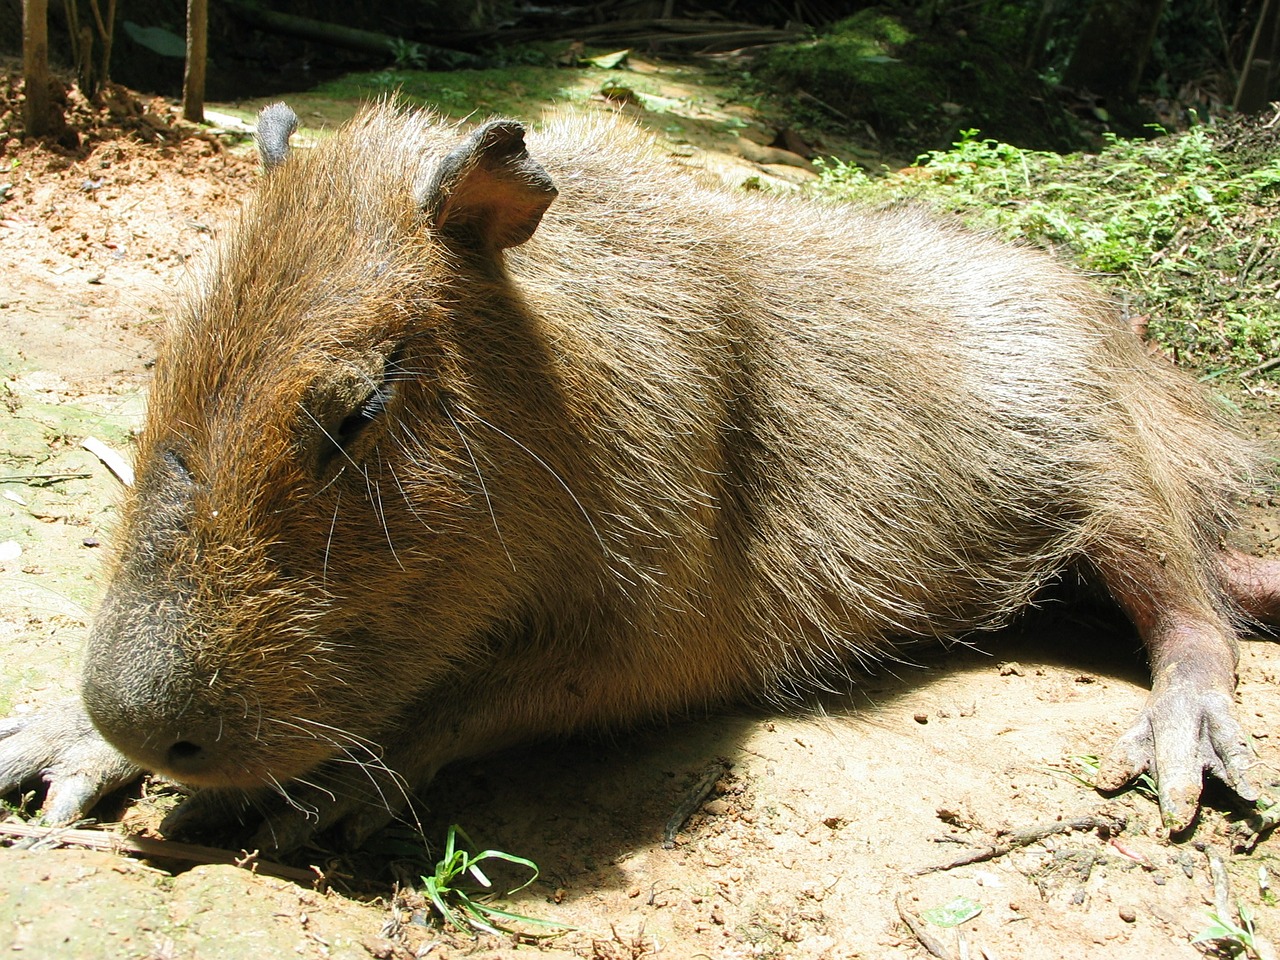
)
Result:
{"points": [[1181, 734], [60, 746], [288, 819]]}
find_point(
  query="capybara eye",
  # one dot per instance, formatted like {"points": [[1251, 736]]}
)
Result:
{"points": [[355, 409], [177, 465], [370, 408]]}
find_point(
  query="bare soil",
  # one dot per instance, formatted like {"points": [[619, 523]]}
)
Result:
{"points": [[820, 829]]}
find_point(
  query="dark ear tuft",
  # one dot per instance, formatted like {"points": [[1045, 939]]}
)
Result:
{"points": [[276, 124], [489, 187]]}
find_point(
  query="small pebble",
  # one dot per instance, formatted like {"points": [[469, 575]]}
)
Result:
{"points": [[922, 718], [1128, 914]]}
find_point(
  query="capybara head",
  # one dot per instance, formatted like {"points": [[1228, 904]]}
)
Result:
{"points": [[305, 479]]}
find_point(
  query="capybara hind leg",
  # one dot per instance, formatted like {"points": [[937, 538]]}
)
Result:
{"points": [[1253, 583], [1187, 727]]}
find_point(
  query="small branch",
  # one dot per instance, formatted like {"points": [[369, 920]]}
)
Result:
{"points": [[114, 462], [1221, 885], [692, 801], [164, 849], [1261, 368], [921, 933], [44, 477], [1024, 838]]}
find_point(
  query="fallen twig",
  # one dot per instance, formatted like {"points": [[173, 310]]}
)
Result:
{"points": [[918, 930], [44, 477], [1026, 837], [1261, 368], [692, 801], [1221, 885], [151, 847], [113, 461]]}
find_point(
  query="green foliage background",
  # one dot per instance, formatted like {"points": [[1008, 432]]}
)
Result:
{"points": [[1184, 228]]}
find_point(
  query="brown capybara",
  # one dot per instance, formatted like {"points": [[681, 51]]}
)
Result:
{"points": [[456, 443]]}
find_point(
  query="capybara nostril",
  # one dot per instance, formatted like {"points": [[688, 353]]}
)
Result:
{"points": [[185, 752]]}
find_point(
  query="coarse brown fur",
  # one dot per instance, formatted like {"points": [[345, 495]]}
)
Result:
{"points": [[682, 445]]}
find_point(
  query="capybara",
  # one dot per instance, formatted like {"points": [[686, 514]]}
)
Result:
{"points": [[457, 442]]}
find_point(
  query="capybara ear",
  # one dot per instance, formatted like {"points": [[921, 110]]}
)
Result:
{"points": [[489, 186], [276, 124]]}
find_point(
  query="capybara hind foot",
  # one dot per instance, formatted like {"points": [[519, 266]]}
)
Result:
{"points": [[1187, 727], [1253, 583], [60, 746]]}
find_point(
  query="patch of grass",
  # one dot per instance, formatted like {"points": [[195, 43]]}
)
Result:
{"points": [[1183, 230], [452, 891], [1230, 938], [463, 93], [1144, 784]]}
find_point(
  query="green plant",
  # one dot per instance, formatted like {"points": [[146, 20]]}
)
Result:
{"points": [[1231, 938], [1186, 233], [954, 912], [406, 54], [447, 889]]}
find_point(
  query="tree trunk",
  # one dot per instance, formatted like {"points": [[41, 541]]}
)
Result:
{"points": [[1113, 46], [107, 33], [1260, 76], [1038, 35], [91, 45], [197, 49], [37, 114]]}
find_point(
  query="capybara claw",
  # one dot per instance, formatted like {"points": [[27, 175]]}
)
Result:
{"points": [[1128, 760], [60, 747], [281, 820], [1181, 735], [292, 827]]}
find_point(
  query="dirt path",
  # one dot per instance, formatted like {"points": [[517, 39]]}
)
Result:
{"points": [[815, 831]]}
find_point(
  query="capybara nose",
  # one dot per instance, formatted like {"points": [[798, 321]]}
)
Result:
{"points": [[187, 747], [191, 754], [186, 758]]}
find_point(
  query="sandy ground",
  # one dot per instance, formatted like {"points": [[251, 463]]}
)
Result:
{"points": [[820, 830]]}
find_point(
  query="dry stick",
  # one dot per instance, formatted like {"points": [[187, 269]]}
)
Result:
{"points": [[1222, 902], [1023, 838], [1221, 885], [44, 477], [165, 849], [112, 460], [917, 928], [692, 801], [1261, 368]]}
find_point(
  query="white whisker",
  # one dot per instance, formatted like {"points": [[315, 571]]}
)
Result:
{"points": [[546, 466], [480, 477]]}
